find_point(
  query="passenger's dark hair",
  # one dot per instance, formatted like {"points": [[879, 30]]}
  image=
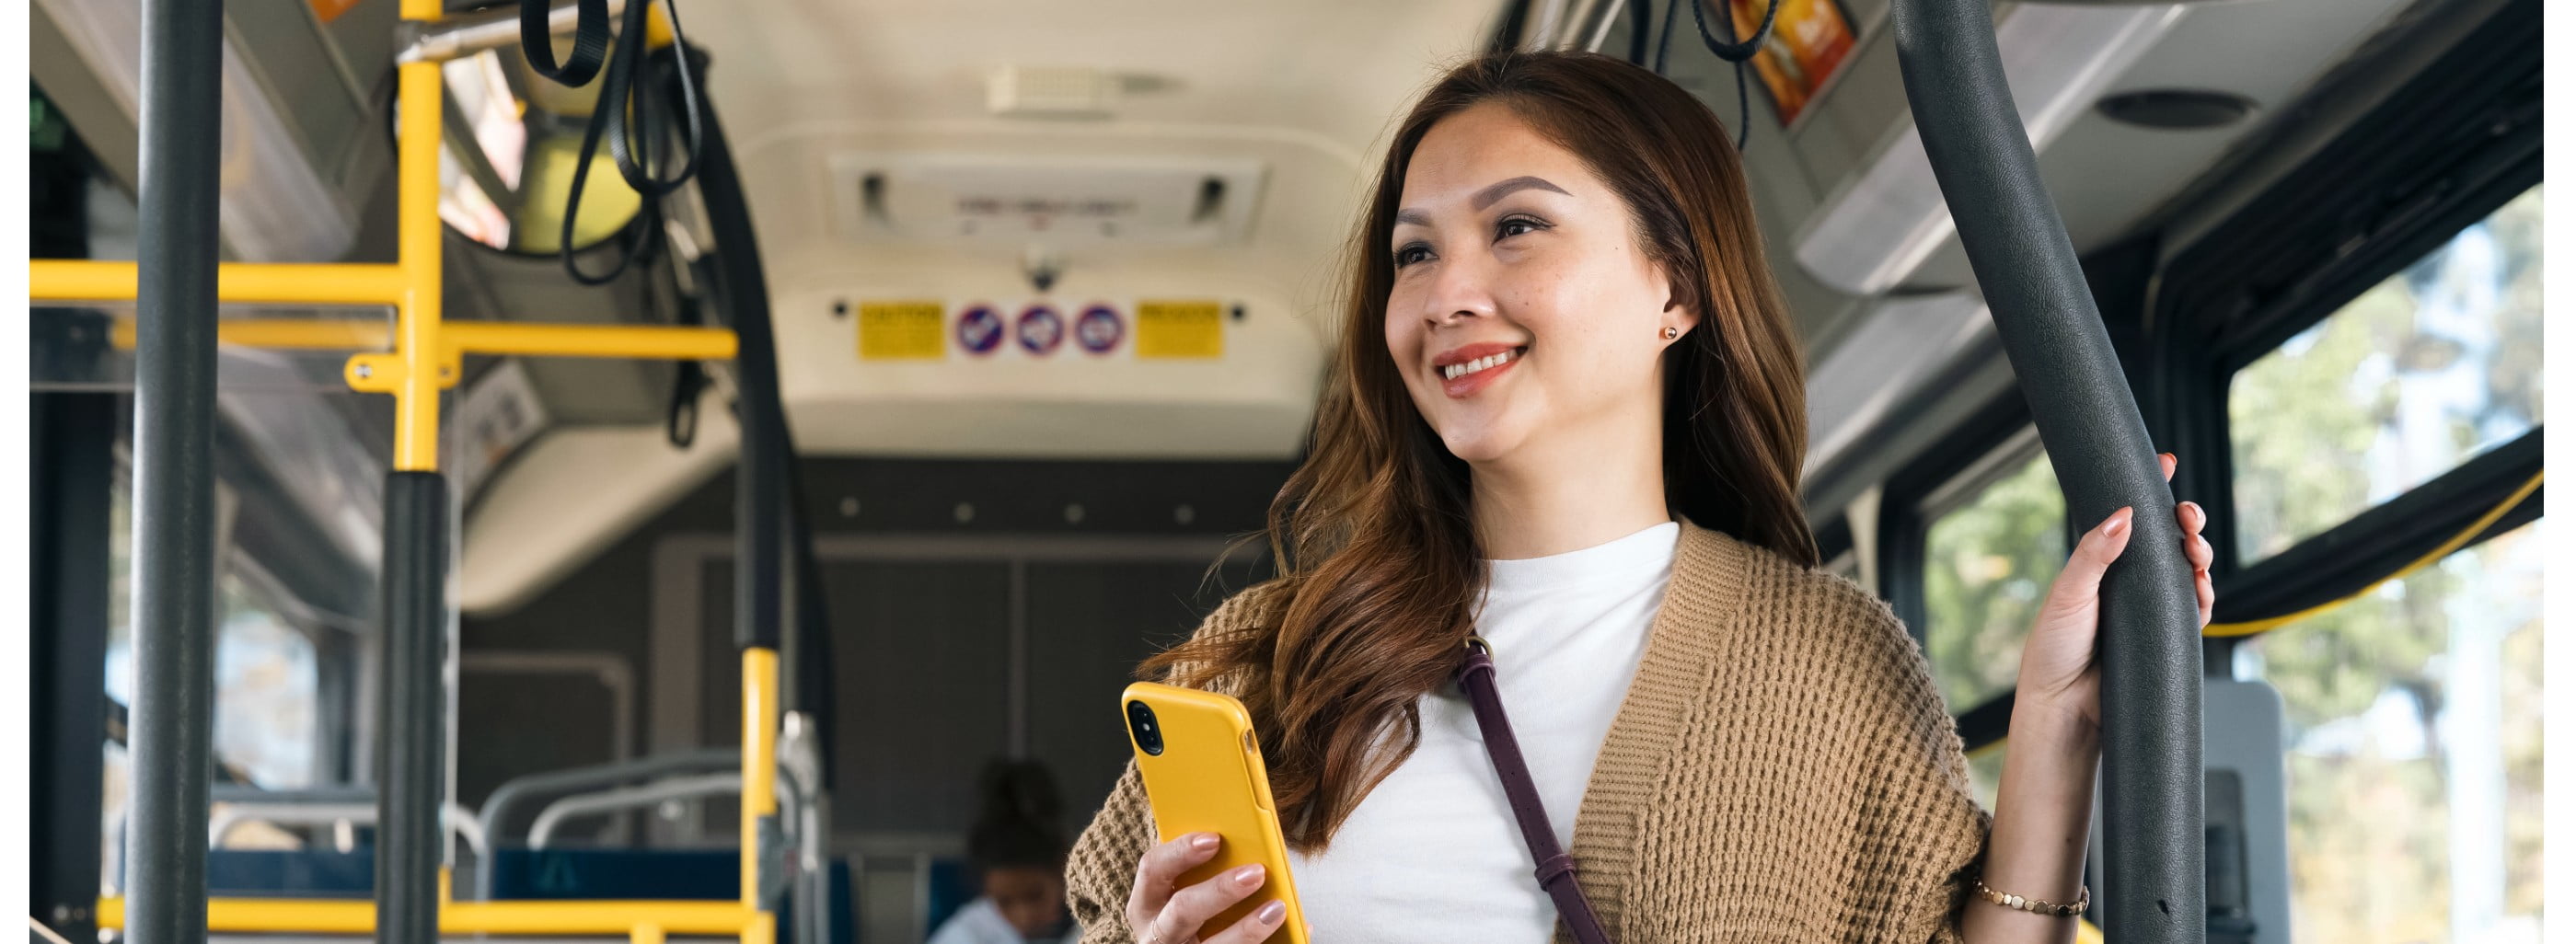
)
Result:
{"points": [[1020, 820]]}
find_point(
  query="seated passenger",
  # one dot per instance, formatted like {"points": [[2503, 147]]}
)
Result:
{"points": [[1018, 847]]}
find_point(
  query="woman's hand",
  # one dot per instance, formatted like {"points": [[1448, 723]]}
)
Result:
{"points": [[2061, 678], [1160, 913]]}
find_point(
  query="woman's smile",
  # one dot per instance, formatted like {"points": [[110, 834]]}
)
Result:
{"points": [[1464, 371]]}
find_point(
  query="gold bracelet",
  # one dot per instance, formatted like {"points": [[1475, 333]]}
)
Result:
{"points": [[2083, 898]]}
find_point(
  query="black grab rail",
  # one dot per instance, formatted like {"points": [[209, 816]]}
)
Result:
{"points": [[2088, 419], [174, 478]]}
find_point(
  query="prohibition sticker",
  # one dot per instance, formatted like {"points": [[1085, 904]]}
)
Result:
{"points": [[1041, 330], [1099, 329], [979, 329], [1182, 330], [901, 331]]}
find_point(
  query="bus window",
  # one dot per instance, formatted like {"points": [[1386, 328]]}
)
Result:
{"points": [[1986, 564], [2414, 753], [267, 690], [267, 674], [2422, 372]]}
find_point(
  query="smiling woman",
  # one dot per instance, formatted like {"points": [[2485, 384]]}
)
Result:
{"points": [[1575, 440]]}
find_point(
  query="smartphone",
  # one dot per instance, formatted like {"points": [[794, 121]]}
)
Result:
{"points": [[1203, 773]]}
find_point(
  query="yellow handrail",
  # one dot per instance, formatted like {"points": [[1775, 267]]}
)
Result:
{"points": [[759, 778], [330, 283], [2457, 541], [638, 342], [338, 916]]}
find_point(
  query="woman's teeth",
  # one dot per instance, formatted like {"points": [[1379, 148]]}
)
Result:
{"points": [[1455, 371]]}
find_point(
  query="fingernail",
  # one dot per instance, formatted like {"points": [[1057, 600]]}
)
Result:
{"points": [[2117, 524], [1248, 875], [1272, 912], [1203, 842]]}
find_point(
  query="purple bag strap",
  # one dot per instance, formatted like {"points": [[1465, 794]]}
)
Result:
{"points": [[1475, 675]]}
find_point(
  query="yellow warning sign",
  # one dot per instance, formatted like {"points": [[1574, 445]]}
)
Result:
{"points": [[903, 331], [1180, 330]]}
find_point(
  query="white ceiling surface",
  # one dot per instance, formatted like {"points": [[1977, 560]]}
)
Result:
{"points": [[2106, 177], [1306, 90]]}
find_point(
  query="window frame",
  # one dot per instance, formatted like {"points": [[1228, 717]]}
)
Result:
{"points": [[2458, 140], [1981, 450]]}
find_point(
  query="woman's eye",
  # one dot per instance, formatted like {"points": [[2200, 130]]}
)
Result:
{"points": [[1411, 254], [1516, 225]]}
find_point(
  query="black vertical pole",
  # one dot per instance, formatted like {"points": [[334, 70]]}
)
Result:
{"points": [[2088, 419], [174, 484], [75, 439], [761, 473], [411, 770]]}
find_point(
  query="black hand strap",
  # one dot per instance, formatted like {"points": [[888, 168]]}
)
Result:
{"points": [[1475, 676], [589, 40]]}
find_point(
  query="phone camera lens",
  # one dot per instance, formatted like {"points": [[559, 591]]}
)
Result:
{"points": [[1140, 722]]}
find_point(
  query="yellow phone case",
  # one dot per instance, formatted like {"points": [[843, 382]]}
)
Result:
{"points": [[1209, 778]]}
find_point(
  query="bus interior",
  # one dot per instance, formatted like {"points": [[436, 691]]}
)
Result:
{"points": [[1021, 311]]}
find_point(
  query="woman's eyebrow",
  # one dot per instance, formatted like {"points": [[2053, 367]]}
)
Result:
{"points": [[1483, 198], [1486, 197]]}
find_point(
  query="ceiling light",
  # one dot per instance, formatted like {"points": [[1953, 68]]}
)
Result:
{"points": [[1881, 225]]}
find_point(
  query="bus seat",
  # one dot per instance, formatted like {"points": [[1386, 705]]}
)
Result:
{"points": [[291, 873], [654, 874], [952, 885]]}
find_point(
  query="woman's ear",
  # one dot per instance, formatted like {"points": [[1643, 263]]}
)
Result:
{"points": [[1678, 314], [1679, 317]]}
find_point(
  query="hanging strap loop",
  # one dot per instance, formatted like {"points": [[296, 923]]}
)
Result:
{"points": [[589, 40]]}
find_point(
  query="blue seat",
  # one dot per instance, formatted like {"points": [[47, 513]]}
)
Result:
{"points": [[291, 873], [952, 885], [654, 874]]}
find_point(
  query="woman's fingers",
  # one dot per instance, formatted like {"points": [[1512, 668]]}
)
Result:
{"points": [[1160, 870], [2196, 549], [1255, 927], [2082, 577], [1190, 908], [2208, 594], [2167, 460]]}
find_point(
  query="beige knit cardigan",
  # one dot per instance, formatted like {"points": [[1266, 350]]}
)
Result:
{"points": [[1781, 770]]}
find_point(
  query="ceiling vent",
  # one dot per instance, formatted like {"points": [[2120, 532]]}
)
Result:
{"points": [[1011, 200], [1050, 92], [2177, 109]]}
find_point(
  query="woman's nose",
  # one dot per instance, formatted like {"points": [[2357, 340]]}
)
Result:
{"points": [[1459, 290]]}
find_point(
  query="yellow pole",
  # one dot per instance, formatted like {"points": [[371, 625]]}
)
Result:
{"points": [[416, 399], [641, 342], [759, 776], [637, 342], [358, 916], [281, 334], [293, 283]]}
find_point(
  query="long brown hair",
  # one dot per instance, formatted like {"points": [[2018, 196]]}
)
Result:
{"points": [[1378, 557]]}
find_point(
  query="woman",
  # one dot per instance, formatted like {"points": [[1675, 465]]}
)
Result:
{"points": [[1567, 416], [1017, 845]]}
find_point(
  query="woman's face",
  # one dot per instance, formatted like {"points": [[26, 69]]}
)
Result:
{"points": [[1032, 900], [1512, 256]]}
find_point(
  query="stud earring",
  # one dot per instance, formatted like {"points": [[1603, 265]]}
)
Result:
{"points": [[1671, 332]]}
